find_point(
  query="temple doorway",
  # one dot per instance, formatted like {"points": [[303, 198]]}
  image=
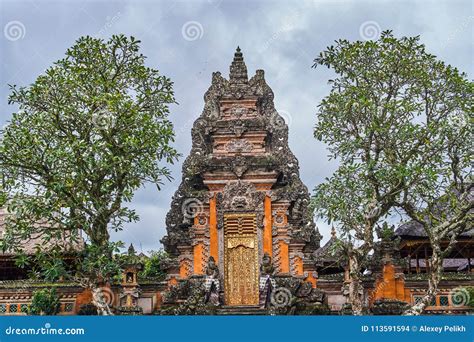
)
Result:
{"points": [[241, 259]]}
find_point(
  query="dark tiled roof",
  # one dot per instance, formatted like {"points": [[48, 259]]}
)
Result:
{"points": [[326, 253], [325, 249]]}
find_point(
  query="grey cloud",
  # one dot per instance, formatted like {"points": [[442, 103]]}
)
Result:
{"points": [[280, 37]]}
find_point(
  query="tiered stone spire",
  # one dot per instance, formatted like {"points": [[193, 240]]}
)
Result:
{"points": [[238, 69], [240, 167]]}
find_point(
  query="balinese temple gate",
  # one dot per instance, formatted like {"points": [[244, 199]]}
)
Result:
{"points": [[241, 239], [240, 215]]}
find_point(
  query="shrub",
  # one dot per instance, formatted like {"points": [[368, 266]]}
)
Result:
{"points": [[470, 291], [45, 302], [154, 265]]}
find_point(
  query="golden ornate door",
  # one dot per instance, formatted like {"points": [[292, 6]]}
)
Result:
{"points": [[240, 259]]}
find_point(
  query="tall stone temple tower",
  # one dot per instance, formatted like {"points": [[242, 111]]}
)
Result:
{"points": [[241, 200]]}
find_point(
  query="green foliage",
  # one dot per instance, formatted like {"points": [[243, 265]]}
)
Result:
{"points": [[88, 133], [398, 121], [3, 196], [386, 232], [96, 260], [470, 292], [45, 302], [153, 266]]}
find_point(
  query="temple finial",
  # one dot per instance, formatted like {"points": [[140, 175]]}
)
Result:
{"points": [[317, 236], [238, 69]]}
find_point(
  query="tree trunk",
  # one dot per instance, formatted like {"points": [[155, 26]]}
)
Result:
{"points": [[100, 302], [355, 287], [436, 268]]}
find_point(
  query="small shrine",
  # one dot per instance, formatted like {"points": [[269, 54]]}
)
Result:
{"points": [[129, 288]]}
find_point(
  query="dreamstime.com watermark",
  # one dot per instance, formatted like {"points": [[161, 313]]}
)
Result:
{"points": [[281, 297], [46, 330], [192, 207], [192, 30], [14, 30], [370, 30]]}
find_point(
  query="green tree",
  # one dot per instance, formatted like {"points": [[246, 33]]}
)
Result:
{"points": [[470, 295], [154, 266], [45, 302], [398, 122], [87, 134]]}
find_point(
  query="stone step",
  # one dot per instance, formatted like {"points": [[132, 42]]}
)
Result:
{"points": [[241, 310], [242, 313], [240, 307]]}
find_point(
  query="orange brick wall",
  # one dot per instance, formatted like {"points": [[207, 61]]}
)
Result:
{"points": [[284, 257], [85, 297], [198, 255]]}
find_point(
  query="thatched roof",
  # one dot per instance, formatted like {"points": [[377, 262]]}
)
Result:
{"points": [[29, 246], [457, 264], [415, 229]]}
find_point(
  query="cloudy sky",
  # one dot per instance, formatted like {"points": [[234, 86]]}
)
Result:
{"points": [[188, 40]]}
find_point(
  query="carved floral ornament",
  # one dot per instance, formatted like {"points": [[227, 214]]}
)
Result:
{"points": [[238, 128], [202, 220], [241, 195], [239, 145], [239, 166], [279, 218], [238, 111]]}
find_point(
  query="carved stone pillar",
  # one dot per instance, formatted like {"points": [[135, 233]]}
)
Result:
{"points": [[185, 260], [281, 239], [296, 259], [200, 240]]}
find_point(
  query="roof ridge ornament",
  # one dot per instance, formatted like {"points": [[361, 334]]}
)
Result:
{"points": [[238, 69]]}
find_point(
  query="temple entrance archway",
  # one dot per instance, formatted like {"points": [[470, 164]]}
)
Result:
{"points": [[241, 259]]}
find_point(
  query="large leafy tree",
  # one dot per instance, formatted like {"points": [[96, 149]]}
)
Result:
{"points": [[398, 122], [88, 132]]}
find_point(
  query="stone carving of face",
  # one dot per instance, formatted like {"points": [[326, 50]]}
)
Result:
{"points": [[239, 202]]}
